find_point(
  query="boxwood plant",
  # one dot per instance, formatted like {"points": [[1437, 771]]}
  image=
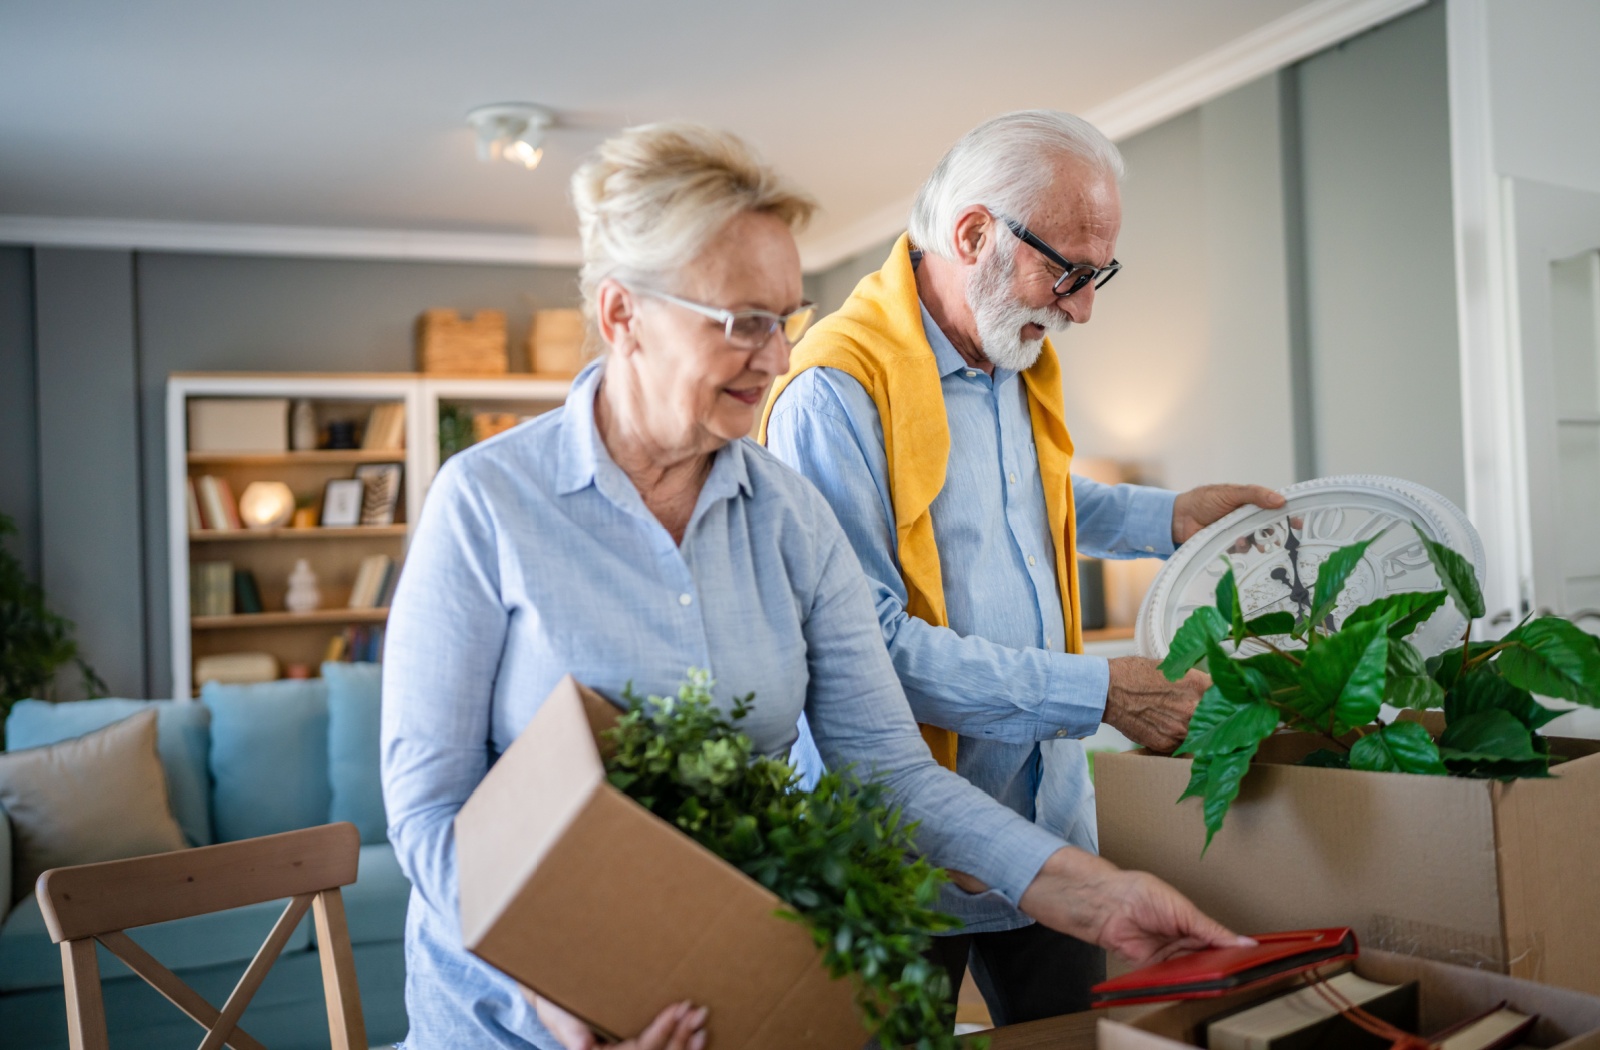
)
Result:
{"points": [[1312, 676], [839, 855]]}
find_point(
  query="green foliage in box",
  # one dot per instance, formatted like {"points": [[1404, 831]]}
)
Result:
{"points": [[34, 642], [838, 855], [1315, 677]]}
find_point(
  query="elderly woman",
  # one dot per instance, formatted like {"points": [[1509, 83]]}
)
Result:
{"points": [[637, 533]]}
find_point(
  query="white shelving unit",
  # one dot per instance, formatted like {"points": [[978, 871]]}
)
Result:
{"points": [[422, 397]]}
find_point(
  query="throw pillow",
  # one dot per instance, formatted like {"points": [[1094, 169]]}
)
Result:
{"points": [[269, 757], [100, 796], [183, 736], [353, 748]]}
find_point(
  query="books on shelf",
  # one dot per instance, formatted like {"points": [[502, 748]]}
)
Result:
{"points": [[355, 645], [195, 524], [216, 505], [374, 581], [246, 592], [211, 588], [1308, 1018], [386, 427]]}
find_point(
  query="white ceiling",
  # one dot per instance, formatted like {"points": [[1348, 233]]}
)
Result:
{"points": [[351, 115]]}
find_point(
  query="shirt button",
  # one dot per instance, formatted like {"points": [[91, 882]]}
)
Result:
{"points": [[1061, 732], [1031, 560], [1012, 477], [1149, 550], [971, 374], [685, 599], [1047, 642]]}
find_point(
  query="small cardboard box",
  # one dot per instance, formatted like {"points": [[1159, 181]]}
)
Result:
{"points": [[1477, 872], [239, 424], [580, 893], [1447, 994]]}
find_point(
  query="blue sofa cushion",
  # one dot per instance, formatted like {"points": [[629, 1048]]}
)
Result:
{"points": [[269, 757], [375, 904], [183, 737], [29, 959], [353, 751]]}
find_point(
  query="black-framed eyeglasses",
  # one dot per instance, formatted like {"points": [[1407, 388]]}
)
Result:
{"points": [[748, 329], [1073, 275]]}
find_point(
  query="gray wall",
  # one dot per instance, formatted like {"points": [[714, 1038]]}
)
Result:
{"points": [[1380, 256], [19, 438]]}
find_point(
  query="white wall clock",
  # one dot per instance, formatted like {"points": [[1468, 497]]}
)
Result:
{"points": [[1275, 555]]}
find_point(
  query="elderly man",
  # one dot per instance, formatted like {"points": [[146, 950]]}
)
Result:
{"points": [[929, 411]]}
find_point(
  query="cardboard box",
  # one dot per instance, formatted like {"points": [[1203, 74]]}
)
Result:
{"points": [[238, 424], [1478, 872], [1448, 994], [580, 893]]}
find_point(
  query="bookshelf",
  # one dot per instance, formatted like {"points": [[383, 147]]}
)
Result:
{"points": [[334, 553]]}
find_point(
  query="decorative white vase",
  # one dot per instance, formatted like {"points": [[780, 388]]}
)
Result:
{"points": [[302, 426], [303, 595]]}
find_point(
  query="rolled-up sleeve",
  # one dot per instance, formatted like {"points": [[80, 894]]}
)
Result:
{"points": [[447, 627], [1122, 521], [964, 683], [859, 716]]}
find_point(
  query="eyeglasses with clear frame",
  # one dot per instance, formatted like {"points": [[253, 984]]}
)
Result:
{"points": [[748, 329], [1074, 276]]}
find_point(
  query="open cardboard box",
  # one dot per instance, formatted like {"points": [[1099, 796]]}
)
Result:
{"points": [[1493, 875], [580, 893], [1448, 994]]}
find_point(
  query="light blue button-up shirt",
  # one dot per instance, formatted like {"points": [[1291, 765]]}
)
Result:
{"points": [[998, 675], [536, 557]]}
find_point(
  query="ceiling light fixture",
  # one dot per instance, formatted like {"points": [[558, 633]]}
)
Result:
{"points": [[511, 131]]}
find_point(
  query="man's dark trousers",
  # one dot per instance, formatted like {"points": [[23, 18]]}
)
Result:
{"points": [[1024, 974]]}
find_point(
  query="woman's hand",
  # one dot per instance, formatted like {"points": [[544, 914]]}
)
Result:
{"points": [[1131, 913], [679, 1027]]}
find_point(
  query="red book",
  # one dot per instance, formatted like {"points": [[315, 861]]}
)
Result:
{"points": [[1219, 971]]}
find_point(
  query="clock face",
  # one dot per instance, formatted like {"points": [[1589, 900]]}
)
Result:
{"points": [[1276, 555]]}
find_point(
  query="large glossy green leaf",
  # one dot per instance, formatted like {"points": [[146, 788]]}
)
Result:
{"points": [[1417, 692], [1482, 689], [1277, 669], [1237, 681], [1222, 787], [1229, 605], [1405, 611], [1199, 771], [1331, 577], [1489, 736], [1246, 726], [1212, 709], [1271, 623], [1457, 576], [1405, 659], [1553, 657], [1327, 759], [1400, 747], [1203, 627], [1345, 675], [1446, 667]]}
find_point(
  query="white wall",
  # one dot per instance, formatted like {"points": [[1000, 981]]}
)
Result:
{"points": [[1544, 83]]}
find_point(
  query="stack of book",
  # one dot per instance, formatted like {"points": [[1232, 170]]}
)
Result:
{"points": [[386, 427], [375, 580], [211, 588], [212, 505]]}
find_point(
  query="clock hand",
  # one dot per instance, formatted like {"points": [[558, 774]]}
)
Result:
{"points": [[1297, 590]]}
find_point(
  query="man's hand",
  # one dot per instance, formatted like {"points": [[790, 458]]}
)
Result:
{"points": [[1197, 508], [678, 1027], [1146, 708], [1131, 913]]}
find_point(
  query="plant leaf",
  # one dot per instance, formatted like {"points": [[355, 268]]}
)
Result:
{"points": [[1204, 626], [1345, 675], [1331, 577], [1553, 657], [1489, 736], [1278, 670], [1223, 776], [1483, 690], [1400, 747], [1246, 726], [1406, 611], [1417, 692], [1228, 604], [1457, 576], [1271, 623], [1327, 758], [1199, 770], [1238, 682], [1446, 667]]}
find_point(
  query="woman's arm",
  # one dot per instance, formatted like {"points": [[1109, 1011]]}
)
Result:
{"points": [[447, 627]]}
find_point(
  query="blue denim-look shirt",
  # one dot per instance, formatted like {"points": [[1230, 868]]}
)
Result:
{"points": [[536, 557], [997, 675]]}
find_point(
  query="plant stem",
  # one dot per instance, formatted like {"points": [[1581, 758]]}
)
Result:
{"points": [[1262, 639]]}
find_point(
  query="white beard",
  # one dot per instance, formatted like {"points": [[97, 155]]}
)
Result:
{"points": [[1000, 318]]}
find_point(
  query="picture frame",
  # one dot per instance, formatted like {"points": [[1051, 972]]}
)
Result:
{"points": [[341, 503], [382, 491]]}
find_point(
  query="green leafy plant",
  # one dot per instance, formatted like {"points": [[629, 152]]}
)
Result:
{"points": [[1331, 680], [839, 855], [34, 642]]}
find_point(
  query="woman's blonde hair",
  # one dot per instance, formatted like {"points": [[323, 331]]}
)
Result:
{"points": [[652, 197]]}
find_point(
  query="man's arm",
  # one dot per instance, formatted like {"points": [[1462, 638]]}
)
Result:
{"points": [[1122, 521]]}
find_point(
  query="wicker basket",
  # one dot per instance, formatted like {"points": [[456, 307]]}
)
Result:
{"points": [[449, 343], [555, 342]]}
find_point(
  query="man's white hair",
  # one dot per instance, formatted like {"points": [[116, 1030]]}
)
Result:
{"points": [[1004, 164]]}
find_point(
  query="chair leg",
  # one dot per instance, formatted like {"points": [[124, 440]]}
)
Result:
{"points": [[86, 1011], [345, 1024]]}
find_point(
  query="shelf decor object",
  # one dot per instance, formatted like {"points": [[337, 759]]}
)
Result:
{"points": [[449, 344], [341, 502], [266, 504], [302, 595]]}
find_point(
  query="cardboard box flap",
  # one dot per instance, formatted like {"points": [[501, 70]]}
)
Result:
{"points": [[500, 837]]}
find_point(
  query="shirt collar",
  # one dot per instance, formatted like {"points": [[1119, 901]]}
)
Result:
{"points": [[945, 354], [584, 459]]}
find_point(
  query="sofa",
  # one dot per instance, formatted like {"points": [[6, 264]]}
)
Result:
{"points": [[245, 760]]}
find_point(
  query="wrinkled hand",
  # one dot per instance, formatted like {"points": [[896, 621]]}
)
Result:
{"points": [[1131, 913], [1197, 508], [678, 1027], [1146, 708]]}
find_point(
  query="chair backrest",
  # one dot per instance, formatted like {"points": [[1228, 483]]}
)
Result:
{"points": [[97, 902]]}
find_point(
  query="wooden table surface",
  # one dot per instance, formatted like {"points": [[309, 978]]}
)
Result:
{"points": [[1071, 1032]]}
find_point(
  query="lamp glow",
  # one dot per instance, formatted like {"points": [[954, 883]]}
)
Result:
{"points": [[511, 131], [266, 504]]}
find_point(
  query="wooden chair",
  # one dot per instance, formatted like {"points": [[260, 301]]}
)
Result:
{"points": [[97, 902]]}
